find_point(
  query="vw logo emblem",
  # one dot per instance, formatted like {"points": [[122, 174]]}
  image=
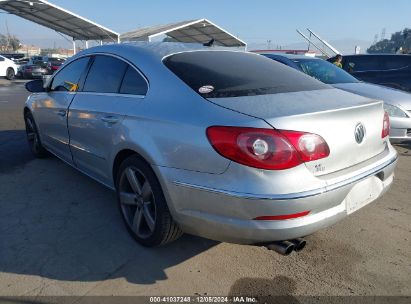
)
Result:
{"points": [[359, 133]]}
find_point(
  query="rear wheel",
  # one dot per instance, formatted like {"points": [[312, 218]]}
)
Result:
{"points": [[10, 74], [143, 205], [33, 137]]}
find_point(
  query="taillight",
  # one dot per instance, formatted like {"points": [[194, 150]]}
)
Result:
{"points": [[386, 126], [267, 148], [310, 146]]}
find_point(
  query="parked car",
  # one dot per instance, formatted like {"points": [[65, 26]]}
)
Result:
{"points": [[396, 103], [223, 144], [20, 64], [13, 56], [53, 64], [8, 68], [385, 69], [34, 70]]}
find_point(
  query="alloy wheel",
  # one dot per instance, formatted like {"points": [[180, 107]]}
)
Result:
{"points": [[137, 202], [32, 136]]}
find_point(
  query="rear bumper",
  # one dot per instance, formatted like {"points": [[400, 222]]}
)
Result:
{"points": [[400, 135], [400, 129], [228, 215]]}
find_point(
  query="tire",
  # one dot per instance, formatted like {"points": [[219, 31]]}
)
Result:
{"points": [[33, 137], [143, 205], [10, 74]]}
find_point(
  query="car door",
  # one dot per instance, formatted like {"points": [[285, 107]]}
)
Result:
{"points": [[51, 112], [111, 87]]}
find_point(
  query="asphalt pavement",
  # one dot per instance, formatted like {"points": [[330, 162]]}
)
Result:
{"points": [[61, 234]]}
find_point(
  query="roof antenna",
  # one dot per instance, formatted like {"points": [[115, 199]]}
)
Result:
{"points": [[210, 43]]}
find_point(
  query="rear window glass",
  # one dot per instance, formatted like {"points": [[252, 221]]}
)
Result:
{"points": [[324, 71], [133, 83], [217, 74]]}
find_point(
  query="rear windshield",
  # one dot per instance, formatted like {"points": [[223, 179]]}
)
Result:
{"points": [[217, 74], [324, 71]]}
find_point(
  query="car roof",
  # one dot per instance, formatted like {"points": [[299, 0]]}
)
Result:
{"points": [[158, 49]]}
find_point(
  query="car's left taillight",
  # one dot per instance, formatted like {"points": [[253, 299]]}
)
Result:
{"points": [[267, 149], [385, 126]]}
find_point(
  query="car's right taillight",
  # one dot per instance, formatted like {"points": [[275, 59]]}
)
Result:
{"points": [[267, 148], [386, 126]]}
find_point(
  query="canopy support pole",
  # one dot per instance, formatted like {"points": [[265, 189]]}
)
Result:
{"points": [[74, 47], [86, 44]]}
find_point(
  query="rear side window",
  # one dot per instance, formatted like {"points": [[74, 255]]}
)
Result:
{"points": [[68, 78], [105, 75], [133, 83], [217, 74]]}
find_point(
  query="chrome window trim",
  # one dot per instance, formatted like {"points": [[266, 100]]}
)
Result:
{"points": [[292, 196], [112, 94]]}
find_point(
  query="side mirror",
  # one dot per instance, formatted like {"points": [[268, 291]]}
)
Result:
{"points": [[35, 86]]}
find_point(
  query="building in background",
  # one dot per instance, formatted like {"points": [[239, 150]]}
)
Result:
{"points": [[29, 50]]}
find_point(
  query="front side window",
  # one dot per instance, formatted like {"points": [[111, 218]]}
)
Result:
{"points": [[105, 75], [217, 74], [324, 71], [67, 80]]}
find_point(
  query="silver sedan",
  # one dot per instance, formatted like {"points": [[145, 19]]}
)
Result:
{"points": [[227, 145]]}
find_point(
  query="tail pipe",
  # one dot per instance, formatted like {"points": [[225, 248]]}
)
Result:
{"points": [[287, 247], [282, 247], [299, 244]]}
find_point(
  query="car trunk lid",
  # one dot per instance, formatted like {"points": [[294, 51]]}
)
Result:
{"points": [[333, 114]]}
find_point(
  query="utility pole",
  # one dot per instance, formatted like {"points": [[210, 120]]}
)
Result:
{"points": [[383, 34], [8, 38], [375, 39]]}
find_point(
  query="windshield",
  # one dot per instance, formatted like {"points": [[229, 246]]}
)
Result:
{"points": [[324, 71], [218, 74]]}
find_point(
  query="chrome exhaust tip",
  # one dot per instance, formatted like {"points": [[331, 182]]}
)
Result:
{"points": [[282, 247]]}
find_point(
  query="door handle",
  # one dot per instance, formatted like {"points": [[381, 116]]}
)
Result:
{"points": [[62, 113], [110, 120]]}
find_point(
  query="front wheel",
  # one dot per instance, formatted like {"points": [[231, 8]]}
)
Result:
{"points": [[143, 205], [10, 74]]}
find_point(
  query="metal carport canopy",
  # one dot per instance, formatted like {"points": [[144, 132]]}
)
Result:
{"points": [[200, 31], [58, 19]]}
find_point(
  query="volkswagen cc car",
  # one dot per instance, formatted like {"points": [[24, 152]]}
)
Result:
{"points": [[227, 145], [397, 103]]}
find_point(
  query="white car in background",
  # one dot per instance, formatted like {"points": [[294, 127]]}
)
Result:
{"points": [[8, 68]]}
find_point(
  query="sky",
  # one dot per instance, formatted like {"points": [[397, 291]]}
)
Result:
{"points": [[253, 21]]}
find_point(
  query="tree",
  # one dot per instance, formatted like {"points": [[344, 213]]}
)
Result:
{"points": [[398, 39], [9, 43], [14, 43]]}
